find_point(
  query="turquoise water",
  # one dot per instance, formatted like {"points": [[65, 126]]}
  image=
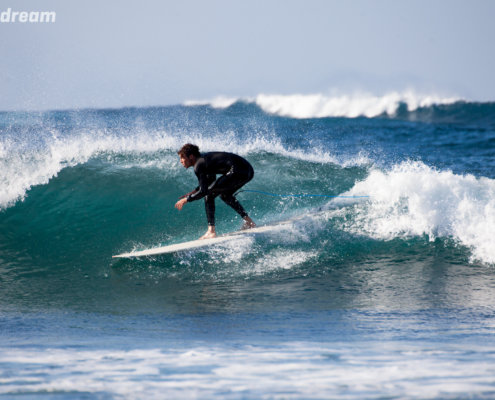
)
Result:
{"points": [[387, 296]]}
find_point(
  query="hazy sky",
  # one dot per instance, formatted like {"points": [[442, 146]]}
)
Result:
{"points": [[122, 53]]}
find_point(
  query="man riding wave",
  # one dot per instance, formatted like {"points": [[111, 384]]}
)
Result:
{"points": [[235, 171]]}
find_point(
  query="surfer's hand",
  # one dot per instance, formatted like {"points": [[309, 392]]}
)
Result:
{"points": [[180, 204]]}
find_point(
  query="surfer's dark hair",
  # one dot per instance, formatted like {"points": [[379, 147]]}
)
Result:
{"points": [[189, 149]]}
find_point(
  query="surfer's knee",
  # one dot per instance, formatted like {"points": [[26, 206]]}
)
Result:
{"points": [[226, 197]]}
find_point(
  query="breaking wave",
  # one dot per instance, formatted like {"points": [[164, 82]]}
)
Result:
{"points": [[321, 106], [414, 199]]}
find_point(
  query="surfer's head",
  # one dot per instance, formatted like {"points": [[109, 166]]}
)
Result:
{"points": [[188, 154]]}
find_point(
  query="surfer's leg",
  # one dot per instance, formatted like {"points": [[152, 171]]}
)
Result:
{"points": [[227, 185], [229, 199], [210, 216], [234, 203], [210, 209]]}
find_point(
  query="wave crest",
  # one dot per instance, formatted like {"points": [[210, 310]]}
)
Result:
{"points": [[414, 199], [367, 105], [321, 106]]}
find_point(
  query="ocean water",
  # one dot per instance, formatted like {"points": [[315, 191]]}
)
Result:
{"points": [[390, 296]]}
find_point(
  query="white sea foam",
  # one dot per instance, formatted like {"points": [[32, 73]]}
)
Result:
{"points": [[320, 106], [230, 252], [414, 199], [280, 260], [292, 370], [236, 251]]}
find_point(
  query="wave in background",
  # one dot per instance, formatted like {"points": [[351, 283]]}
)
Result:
{"points": [[320, 106], [366, 105], [430, 108]]}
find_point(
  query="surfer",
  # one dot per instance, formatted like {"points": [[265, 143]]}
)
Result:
{"points": [[235, 171]]}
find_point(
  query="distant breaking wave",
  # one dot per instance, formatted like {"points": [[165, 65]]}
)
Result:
{"points": [[320, 106]]}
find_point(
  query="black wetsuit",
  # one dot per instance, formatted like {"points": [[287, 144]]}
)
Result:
{"points": [[236, 172]]}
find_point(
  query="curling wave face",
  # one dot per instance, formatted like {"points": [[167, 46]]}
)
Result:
{"points": [[113, 176], [33, 155]]}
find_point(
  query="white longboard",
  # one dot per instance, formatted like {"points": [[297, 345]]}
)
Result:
{"points": [[206, 242]]}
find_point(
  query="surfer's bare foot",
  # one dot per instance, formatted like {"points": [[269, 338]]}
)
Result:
{"points": [[210, 233], [248, 224]]}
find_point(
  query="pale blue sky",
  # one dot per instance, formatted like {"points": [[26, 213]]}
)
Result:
{"points": [[120, 53]]}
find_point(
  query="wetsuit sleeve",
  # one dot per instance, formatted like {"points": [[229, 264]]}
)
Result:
{"points": [[202, 189]]}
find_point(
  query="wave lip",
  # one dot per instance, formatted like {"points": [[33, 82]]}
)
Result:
{"points": [[414, 199], [24, 167]]}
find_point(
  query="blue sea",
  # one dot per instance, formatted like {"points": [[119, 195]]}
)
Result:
{"points": [[390, 296]]}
